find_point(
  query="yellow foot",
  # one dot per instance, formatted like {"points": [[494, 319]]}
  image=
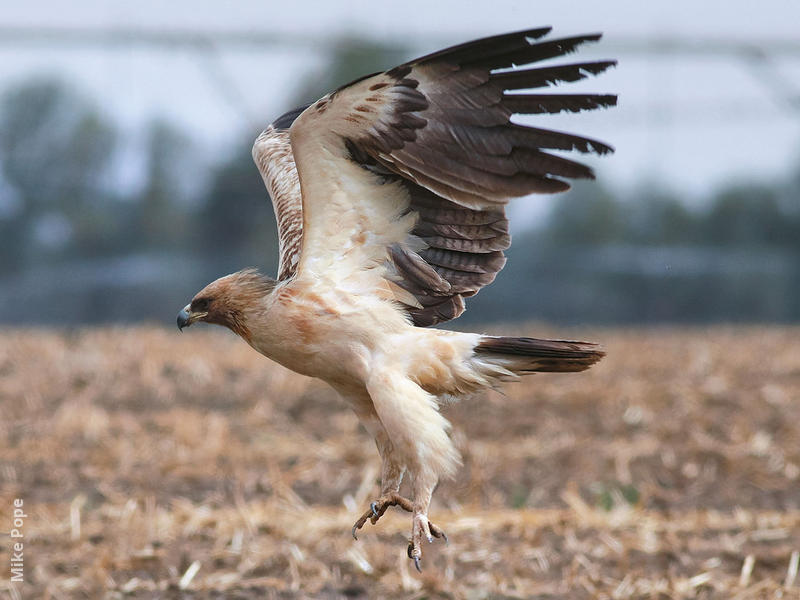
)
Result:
{"points": [[379, 507], [422, 528]]}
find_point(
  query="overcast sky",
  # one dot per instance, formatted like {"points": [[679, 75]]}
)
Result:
{"points": [[686, 120]]}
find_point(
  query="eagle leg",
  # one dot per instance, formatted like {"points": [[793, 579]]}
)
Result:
{"points": [[421, 527], [392, 472], [379, 507]]}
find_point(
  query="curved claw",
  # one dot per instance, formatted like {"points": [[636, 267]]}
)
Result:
{"points": [[438, 532], [374, 507], [355, 527], [410, 551]]}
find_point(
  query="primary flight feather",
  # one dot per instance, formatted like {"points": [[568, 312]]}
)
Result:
{"points": [[389, 195]]}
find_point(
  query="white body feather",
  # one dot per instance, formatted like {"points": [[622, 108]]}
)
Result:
{"points": [[349, 180]]}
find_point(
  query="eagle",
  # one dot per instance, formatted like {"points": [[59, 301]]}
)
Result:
{"points": [[389, 196]]}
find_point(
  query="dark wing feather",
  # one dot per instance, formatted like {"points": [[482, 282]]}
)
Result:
{"points": [[448, 137], [440, 126]]}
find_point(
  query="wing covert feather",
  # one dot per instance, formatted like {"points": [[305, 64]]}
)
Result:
{"points": [[272, 153], [405, 174]]}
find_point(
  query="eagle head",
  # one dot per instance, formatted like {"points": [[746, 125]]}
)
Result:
{"points": [[228, 301]]}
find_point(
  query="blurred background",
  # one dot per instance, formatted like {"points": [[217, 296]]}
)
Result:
{"points": [[126, 181], [161, 465]]}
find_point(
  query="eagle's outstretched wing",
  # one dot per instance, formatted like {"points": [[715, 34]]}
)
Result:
{"points": [[405, 174], [272, 153]]}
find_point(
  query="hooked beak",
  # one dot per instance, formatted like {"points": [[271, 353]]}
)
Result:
{"points": [[184, 318]]}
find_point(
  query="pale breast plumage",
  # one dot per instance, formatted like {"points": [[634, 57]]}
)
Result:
{"points": [[389, 195]]}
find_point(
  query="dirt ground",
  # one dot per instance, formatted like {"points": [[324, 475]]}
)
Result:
{"points": [[153, 464]]}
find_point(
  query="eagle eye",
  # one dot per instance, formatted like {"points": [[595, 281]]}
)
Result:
{"points": [[200, 305]]}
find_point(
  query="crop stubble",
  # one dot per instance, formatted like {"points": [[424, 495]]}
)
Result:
{"points": [[158, 465]]}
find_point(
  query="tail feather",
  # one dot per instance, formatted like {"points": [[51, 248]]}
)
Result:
{"points": [[528, 355]]}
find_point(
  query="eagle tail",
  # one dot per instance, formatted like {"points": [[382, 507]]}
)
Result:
{"points": [[523, 355]]}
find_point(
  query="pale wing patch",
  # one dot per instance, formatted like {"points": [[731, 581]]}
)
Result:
{"points": [[445, 132], [350, 216], [428, 152], [272, 153]]}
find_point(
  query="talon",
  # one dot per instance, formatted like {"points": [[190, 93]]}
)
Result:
{"points": [[438, 532], [378, 508], [416, 564], [430, 539]]}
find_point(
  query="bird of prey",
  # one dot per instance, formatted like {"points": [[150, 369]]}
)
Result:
{"points": [[389, 195]]}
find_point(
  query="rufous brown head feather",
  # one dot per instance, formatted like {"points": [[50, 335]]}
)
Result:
{"points": [[226, 301]]}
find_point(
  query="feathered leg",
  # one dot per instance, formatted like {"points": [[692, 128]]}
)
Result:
{"points": [[392, 468], [421, 528], [417, 432], [392, 472]]}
